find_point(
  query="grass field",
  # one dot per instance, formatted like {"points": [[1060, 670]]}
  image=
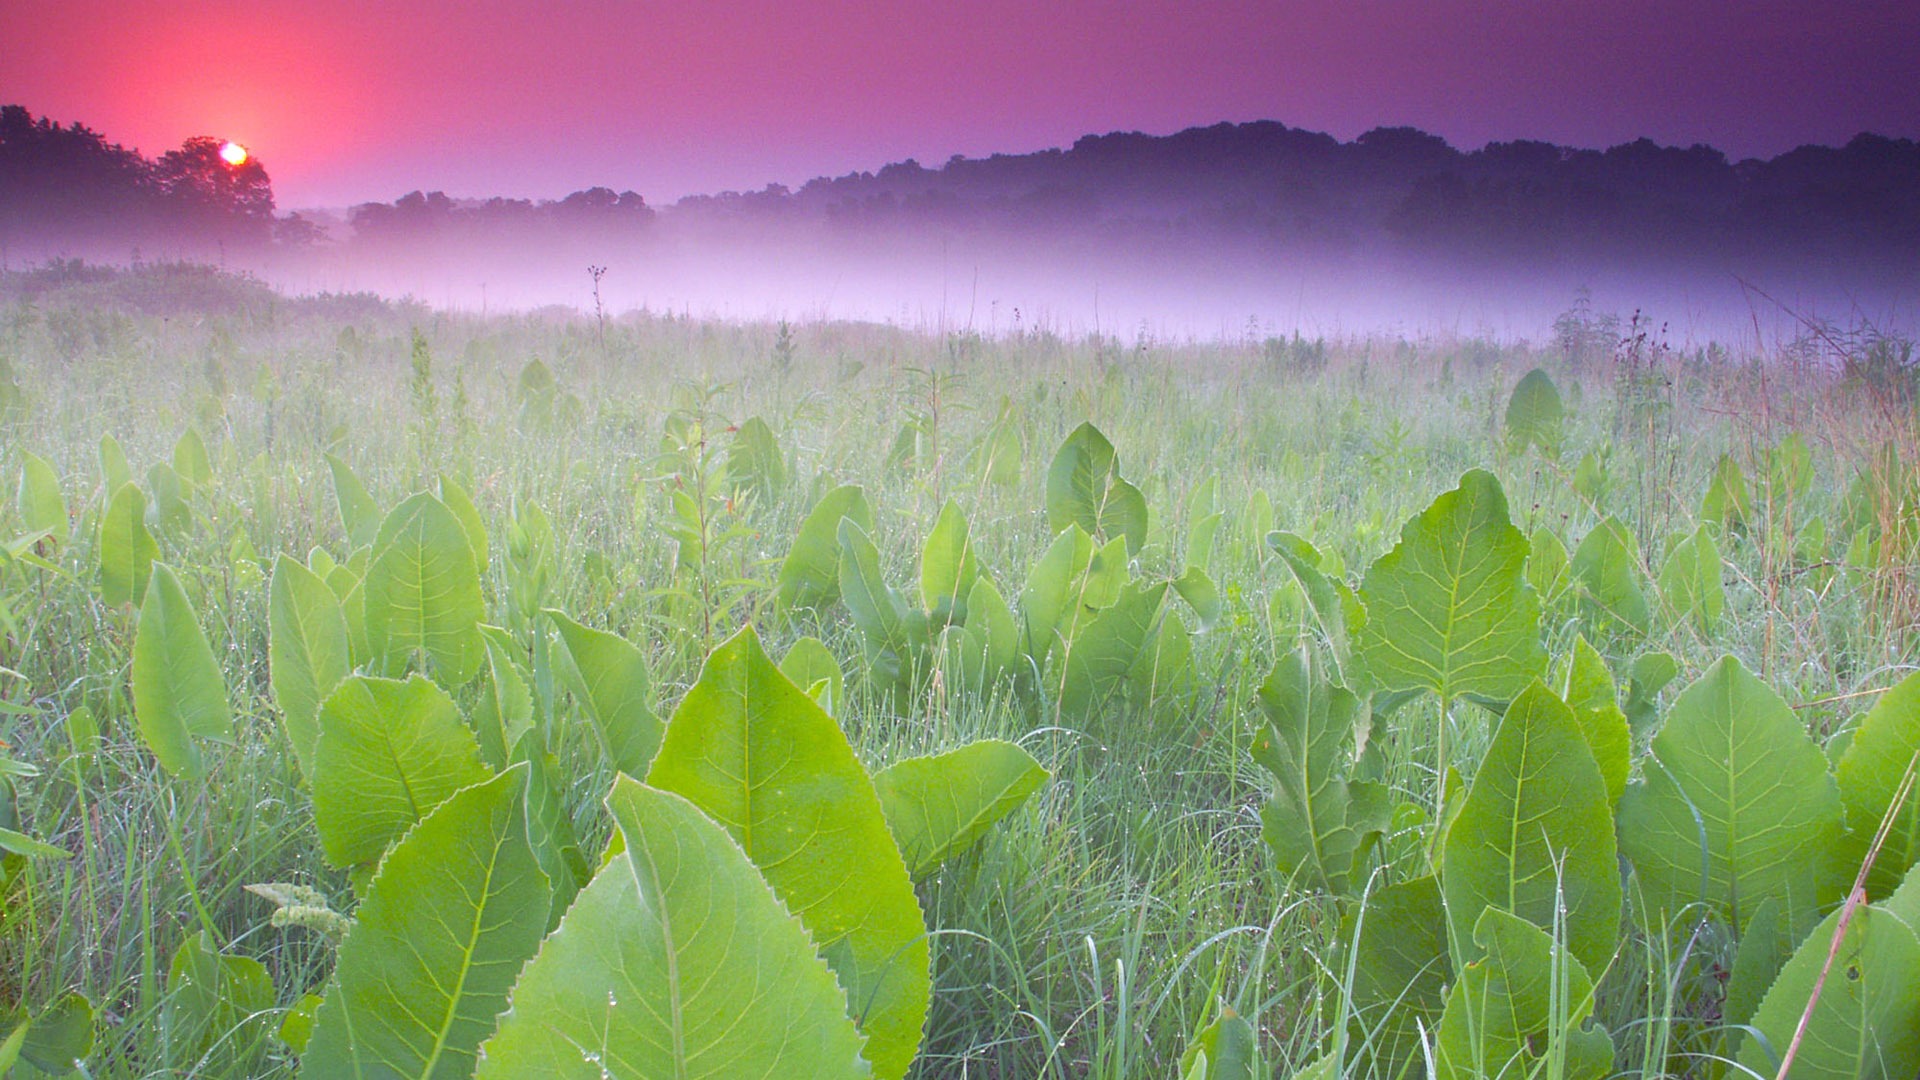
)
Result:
{"points": [[1130, 905]]}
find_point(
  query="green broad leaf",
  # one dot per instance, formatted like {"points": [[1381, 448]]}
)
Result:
{"points": [[1401, 972], [169, 511], [1789, 471], [1870, 773], [1764, 948], [16, 842], [179, 695], [1053, 590], [422, 592], [296, 1028], [1535, 415], [505, 711], [1548, 566], [755, 753], [38, 499], [218, 1013], [461, 504], [948, 568], [308, 653], [1606, 567], [359, 514], [608, 676], [1320, 824], [457, 907], [1100, 657], [556, 846], [1650, 674], [1867, 1020], [1227, 1049], [1535, 835], [1735, 806], [1164, 669], [1690, 581], [1499, 1021], [115, 473], [989, 644], [1727, 502], [810, 575], [939, 806], [1084, 488], [60, 1037], [678, 961], [879, 611], [388, 753], [1201, 594], [811, 664], [1449, 608], [754, 460], [191, 461], [1323, 596], [127, 549], [1587, 687], [1203, 523]]}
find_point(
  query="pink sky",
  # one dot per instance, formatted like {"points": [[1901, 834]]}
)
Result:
{"points": [[356, 100]]}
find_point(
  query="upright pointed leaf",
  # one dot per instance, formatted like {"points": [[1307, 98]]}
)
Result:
{"points": [[359, 514], [127, 549], [1499, 1019], [1227, 1049], [1587, 687], [608, 676], [1100, 657], [1319, 822], [1736, 806], [1401, 972], [1084, 488], [754, 459], [1535, 414], [676, 961], [422, 592], [38, 499], [458, 906], [505, 712], [939, 806], [1606, 567], [115, 473], [810, 664], [1870, 773], [1690, 581], [885, 621], [810, 574], [461, 504], [1449, 608], [1535, 836], [1866, 1022], [179, 695], [308, 653], [1322, 593], [191, 461], [757, 754], [948, 568], [388, 753]]}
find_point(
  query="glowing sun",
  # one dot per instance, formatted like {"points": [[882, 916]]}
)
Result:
{"points": [[234, 154]]}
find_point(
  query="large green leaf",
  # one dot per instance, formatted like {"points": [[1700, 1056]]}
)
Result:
{"points": [[1727, 503], [810, 664], [810, 575], [1401, 971], [1323, 596], [115, 473], [1084, 488], [1227, 1049], [359, 514], [1867, 1021], [989, 645], [1501, 1019], [388, 753], [938, 806], [1535, 414], [308, 653], [1606, 567], [218, 1012], [1690, 581], [127, 549], [178, 693], [1587, 687], [1053, 588], [60, 1036], [505, 712], [1870, 772], [608, 676], [1736, 804], [887, 625], [422, 592], [458, 906], [754, 460], [676, 961], [948, 567], [461, 504], [190, 459], [1449, 608], [757, 754], [38, 499], [1535, 835], [1319, 823], [1100, 657]]}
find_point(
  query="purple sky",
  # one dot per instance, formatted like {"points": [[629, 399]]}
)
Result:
{"points": [[357, 100]]}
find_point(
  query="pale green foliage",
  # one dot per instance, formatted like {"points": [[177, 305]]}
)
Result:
{"points": [[938, 806], [1402, 968], [218, 1012], [359, 514], [1587, 688], [308, 652], [1690, 581], [422, 593], [1606, 569], [1320, 823], [1535, 415], [810, 574], [1449, 608], [1882, 750], [1867, 1020], [1084, 488], [127, 549], [676, 961], [41, 506], [1227, 1049], [609, 680], [756, 754], [754, 460], [1500, 1020], [179, 695]]}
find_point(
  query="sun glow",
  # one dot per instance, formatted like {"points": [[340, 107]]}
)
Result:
{"points": [[234, 154]]}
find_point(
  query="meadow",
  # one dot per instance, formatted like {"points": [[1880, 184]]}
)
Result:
{"points": [[395, 692]]}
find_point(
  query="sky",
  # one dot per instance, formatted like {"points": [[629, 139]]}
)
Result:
{"points": [[355, 100]]}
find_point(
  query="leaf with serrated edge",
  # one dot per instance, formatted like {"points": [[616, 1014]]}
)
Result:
{"points": [[458, 906], [1869, 775], [608, 676], [759, 756], [938, 806], [677, 960], [422, 592]]}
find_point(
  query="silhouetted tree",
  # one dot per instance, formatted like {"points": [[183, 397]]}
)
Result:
{"points": [[206, 187]]}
